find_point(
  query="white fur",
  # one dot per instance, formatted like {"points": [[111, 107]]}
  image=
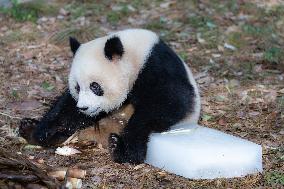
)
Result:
{"points": [[193, 117], [115, 77], [118, 76]]}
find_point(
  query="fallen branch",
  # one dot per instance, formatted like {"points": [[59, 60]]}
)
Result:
{"points": [[19, 163], [18, 177]]}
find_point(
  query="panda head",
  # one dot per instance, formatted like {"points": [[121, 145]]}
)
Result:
{"points": [[100, 74], [104, 70]]}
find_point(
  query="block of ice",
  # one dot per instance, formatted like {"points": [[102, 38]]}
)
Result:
{"points": [[198, 152]]}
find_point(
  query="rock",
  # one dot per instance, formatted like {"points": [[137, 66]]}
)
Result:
{"points": [[229, 46], [216, 55], [63, 12], [60, 17]]}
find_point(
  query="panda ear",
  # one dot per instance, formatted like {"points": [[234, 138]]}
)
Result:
{"points": [[113, 48], [74, 44]]}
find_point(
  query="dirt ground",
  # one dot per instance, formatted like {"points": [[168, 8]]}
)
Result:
{"points": [[235, 49]]}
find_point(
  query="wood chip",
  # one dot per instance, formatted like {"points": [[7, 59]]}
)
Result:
{"points": [[73, 183]]}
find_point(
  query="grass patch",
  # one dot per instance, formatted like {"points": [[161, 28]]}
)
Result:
{"points": [[15, 94], [206, 117], [274, 55], [225, 6], [208, 29], [11, 37], [85, 33], [212, 38], [275, 178], [198, 22], [115, 16], [248, 70], [236, 39], [156, 25], [76, 11], [257, 31], [89, 8], [183, 55], [138, 4], [28, 11], [276, 12], [160, 26], [47, 86], [18, 35]]}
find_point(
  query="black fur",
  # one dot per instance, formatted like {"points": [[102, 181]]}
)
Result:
{"points": [[113, 47], [74, 44], [59, 123], [161, 96]]}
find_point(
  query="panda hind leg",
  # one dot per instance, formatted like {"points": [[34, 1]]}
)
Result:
{"points": [[124, 149]]}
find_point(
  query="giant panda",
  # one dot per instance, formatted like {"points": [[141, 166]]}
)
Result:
{"points": [[132, 66]]}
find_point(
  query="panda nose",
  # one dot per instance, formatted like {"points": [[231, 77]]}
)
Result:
{"points": [[84, 108]]}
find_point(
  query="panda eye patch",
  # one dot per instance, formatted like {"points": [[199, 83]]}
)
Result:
{"points": [[96, 88], [77, 88]]}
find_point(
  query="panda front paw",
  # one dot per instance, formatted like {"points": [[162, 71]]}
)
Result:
{"points": [[122, 152], [116, 148], [27, 127]]}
